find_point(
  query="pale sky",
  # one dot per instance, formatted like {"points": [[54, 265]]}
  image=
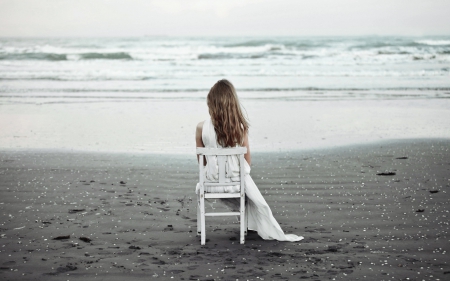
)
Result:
{"points": [[223, 17]]}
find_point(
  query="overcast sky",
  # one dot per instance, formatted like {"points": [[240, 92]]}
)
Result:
{"points": [[223, 17]]}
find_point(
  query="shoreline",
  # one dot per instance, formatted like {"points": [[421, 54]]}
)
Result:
{"points": [[169, 126], [184, 154], [357, 225]]}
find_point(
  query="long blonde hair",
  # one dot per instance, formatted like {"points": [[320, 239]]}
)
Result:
{"points": [[226, 114]]}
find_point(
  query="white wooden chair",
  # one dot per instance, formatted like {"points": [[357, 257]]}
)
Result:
{"points": [[221, 154]]}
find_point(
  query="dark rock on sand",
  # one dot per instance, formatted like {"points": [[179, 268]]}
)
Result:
{"points": [[420, 210], [134, 247], [386, 174], [434, 191], [85, 239], [73, 211], [333, 248], [157, 261], [403, 157]]}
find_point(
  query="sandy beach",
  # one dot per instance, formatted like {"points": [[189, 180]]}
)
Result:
{"points": [[370, 212]]}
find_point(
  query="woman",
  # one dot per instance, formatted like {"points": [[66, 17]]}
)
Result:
{"points": [[228, 127]]}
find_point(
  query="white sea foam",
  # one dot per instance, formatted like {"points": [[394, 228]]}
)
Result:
{"points": [[434, 42]]}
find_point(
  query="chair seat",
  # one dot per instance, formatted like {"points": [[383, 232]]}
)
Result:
{"points": [[233, 183], [222, 195], [217, 214]]}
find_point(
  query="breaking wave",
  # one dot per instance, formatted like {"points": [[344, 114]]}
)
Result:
{"points": [[64, 57]]}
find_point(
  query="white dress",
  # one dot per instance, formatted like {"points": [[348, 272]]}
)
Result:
{"points": [[260, 216]]}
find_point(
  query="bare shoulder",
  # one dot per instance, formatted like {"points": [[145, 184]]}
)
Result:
{"points": [[200, 125], [198, 135], [199, 128]]}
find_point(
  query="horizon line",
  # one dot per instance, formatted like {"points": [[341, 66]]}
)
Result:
{"points": [[217, 36]]}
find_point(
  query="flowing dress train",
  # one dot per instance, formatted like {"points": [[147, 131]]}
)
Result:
{"points": [[260, 216]]}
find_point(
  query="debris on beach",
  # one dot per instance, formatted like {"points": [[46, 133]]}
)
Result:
{"points": [[85, 239], [134, 247], [420, 210], [434, 191], [168, 228], [63, 237], [73, 211], [386, 174], [403, 157], [122, 182]]}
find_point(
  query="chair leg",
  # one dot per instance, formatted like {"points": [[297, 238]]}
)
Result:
{"points": [[246, 221], [242, 224], [198, 215], [202, 219], [242, 228]]}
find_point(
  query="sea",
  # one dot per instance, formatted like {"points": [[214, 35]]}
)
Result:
{"points": [[186, 67], [147, 94]]}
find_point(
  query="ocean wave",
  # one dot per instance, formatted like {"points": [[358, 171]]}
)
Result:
{"points": [[23, 92], [392, 52], [394, 45], [129, 74], [34, 56], [73, 78], [251, 43], [300, 44], [221, 56], [371, 51], [64, 57], [106, 56]]}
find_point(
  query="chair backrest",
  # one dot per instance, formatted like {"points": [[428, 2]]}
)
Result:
{"points": [[222, 154]]}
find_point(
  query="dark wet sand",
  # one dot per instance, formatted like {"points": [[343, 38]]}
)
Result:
{"points": [[120, 216]]}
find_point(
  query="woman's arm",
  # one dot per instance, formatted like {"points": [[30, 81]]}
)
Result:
{"points": [[247, 156], [198, 138]]}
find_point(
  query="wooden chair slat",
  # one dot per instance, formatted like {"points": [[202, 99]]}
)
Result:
{"points": [[217, 214], [221, 161], [222, 195], [233, 183]]}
